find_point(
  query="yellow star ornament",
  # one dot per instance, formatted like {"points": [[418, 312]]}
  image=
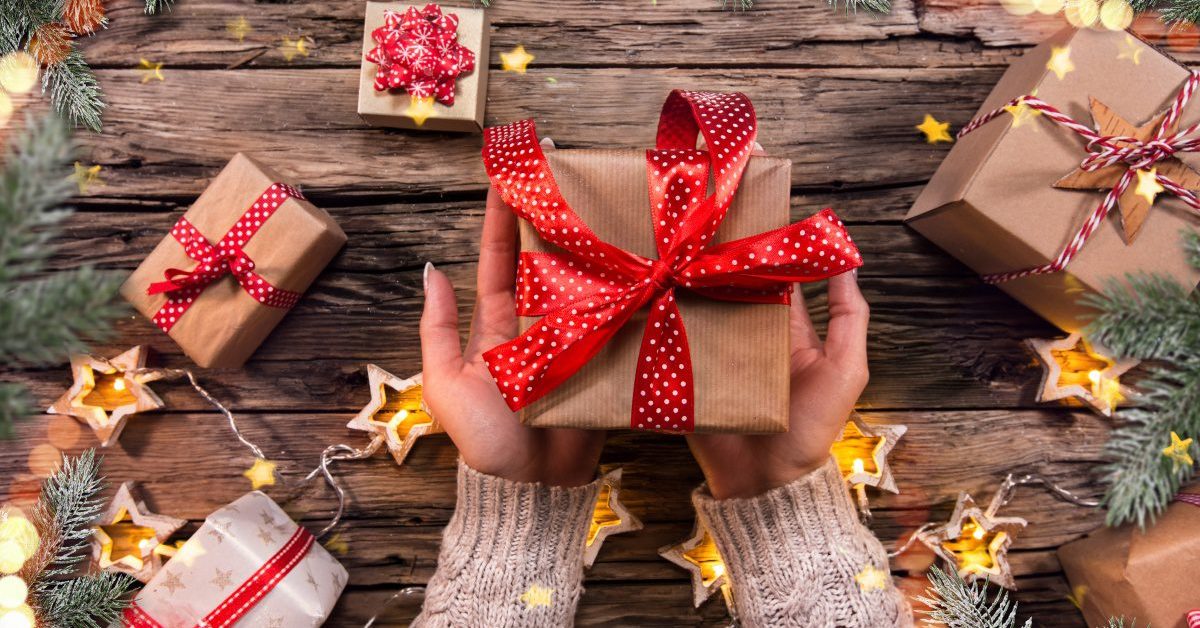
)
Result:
{"points": [[1148, 186], [85, 177], [1022, 112], [150, 71], [935, 131], [872, 579], [420, 109], [1178, 452], [292, 48], [515, 60], [1060, 62], [537, 595], [1131, 50], [239, 28], [261, 473]]}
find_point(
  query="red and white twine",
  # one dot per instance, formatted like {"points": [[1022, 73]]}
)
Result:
{"points": [[1104, 151]]}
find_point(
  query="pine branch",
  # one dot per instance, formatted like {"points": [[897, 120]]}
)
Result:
{"points": [[14, 402], [74, 91], [46, 318], [91, 601], [157, 6], [956, 605], [70, 503]]}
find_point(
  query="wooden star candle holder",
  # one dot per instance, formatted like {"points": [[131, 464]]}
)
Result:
{"points": [[609, 517], [396, 414], [1074, 369], [862, 453], [129, 537], [976, 541], [105, 393], [699, 556]]}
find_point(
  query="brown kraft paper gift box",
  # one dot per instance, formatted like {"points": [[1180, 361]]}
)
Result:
{"points": [[993, 204], [740, 351], [1150, 576], [225, 325], [387, 108]]}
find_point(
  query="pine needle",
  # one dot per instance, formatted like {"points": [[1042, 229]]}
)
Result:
{"points": [[74, 91], [956, 605]]}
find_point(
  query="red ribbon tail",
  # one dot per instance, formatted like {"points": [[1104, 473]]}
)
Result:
{"points": [[173, 279]]}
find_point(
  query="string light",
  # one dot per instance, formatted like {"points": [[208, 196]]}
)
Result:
{"points": [[18, 72], [1073, 368], [20, 617], [13, 592], [18, 542]]}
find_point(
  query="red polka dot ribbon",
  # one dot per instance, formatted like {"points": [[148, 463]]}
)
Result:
{"points": [[586, 292], [418, 51], [182, 287]]}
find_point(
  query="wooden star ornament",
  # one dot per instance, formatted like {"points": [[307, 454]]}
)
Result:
{"points": [[1136, 201], [699, 555], [396, 414], [128, 536], [1073, 368], [862, 453], [609, 517], [976, 542], [107, 392]]}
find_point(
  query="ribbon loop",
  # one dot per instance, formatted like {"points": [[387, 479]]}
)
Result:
{"points": [[591, 289]]}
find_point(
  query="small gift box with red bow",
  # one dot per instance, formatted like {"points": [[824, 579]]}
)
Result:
{"points": [[1080, 168], [1149, 575], [648, 302], [248, 565], [234, 264], [424, 68]]}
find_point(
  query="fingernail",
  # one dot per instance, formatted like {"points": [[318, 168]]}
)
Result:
{"points": [[425, 275]]}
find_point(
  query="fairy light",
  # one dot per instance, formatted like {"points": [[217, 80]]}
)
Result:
{"points": [[18, 542], [119, 384], [20, 617], [858, 466], [13, 592], [18, 72]]}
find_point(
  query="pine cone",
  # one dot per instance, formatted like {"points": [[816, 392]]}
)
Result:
{"points": [[83, 17], [50, 43]]}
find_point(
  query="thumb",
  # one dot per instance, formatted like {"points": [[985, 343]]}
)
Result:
{"points": [[441, 349]]}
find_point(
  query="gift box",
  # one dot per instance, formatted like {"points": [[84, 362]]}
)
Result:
{"points": [[248, 565], [424, 67], [737, 379], [1148, 575], [1011, 194], [234, 264]]}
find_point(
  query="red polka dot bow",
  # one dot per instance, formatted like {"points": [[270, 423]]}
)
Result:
{"points": [[585, 293], [418, 51], [225, 257]]}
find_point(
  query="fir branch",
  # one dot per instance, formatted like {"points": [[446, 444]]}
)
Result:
{"points": [[956, 605], [91, 601], [48, 317], [69, 505], [14, 402], [157, 6], [74, 91]]}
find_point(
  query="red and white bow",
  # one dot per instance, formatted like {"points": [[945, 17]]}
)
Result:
{"points": [[418, 51], [585, 293]]}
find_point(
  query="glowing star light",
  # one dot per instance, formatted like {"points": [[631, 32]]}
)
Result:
{"points": [[872, 579], [1072, 368], [976, 542], [86, 177], [105, 393], [1148, 186], [238, 28], [935, 131], [396, 415], [420, 109], [261, 473], [1179, 452], [292, 48], [150, 71], [1060, 61], [862, 453], [129, 534], [609, 517], [699, 555], [1022, 112], [1131, 49], [515, 60]]}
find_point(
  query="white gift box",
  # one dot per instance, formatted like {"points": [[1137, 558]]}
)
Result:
{"points": [[248, 565]]}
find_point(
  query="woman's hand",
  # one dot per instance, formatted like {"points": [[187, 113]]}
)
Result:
{"points": [[460, 392], [827, 379]]}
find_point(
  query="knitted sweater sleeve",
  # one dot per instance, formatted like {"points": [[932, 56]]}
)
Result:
{"points": [[793, 555], [512, 555]]}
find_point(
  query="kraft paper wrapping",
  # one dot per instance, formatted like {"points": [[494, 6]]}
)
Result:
{"points": [[740, 351], [993, 204], [1147, 575], [233, 543], [225, 325], [387, 108]]}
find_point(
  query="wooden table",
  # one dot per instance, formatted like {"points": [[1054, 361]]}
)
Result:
{"points": [[838, 94]]}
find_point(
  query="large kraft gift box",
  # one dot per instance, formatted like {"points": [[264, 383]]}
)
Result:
{"points": [[248, 566], [739, 351], [390, 108], [993, 203], [1150, 575], [224, 324]]}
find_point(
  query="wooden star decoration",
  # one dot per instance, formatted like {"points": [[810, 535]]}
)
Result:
{"points": [[699, 555], [976, 542], [862, 453], [609, 517], [396, 413], [1072, 368], [105, 393], [128, 536], [1134, 206]]}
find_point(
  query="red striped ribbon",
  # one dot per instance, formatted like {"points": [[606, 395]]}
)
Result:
{"points": [[182, 287], [1103, 151], [1193, 617], [244, 598]]}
